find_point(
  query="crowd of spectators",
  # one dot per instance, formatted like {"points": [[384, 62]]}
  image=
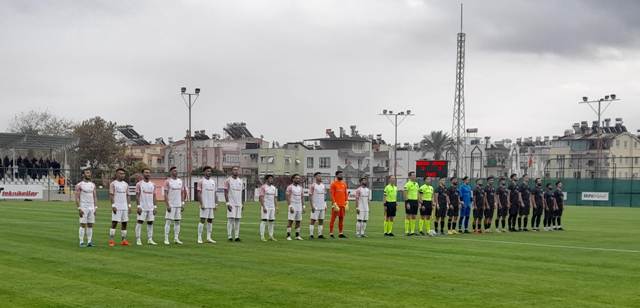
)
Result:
{"points": [[25, 168]]}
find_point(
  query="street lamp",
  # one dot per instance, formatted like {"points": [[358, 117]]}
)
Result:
{"points": [[608, 99], [189, 102], [393, 118]]}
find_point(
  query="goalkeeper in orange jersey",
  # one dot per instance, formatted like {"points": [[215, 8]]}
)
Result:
{"points": [[339, 197]]}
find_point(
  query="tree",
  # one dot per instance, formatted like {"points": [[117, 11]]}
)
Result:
{"points": [[97, 143], [437, 142], [41, 123]]}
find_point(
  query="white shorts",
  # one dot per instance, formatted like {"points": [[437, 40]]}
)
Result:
{"points": [[120, 216], [295, 216], [146, 216], [175, 214], [89, 216], [206, 213], [236, 212], [269, 215], [318, 214], [364, 215]]}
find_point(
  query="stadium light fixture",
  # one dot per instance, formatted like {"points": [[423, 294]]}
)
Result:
{"points": [[613, 96], [393, 118], [585, 99], [189, 102]]}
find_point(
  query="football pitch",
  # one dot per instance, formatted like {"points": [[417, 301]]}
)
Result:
{"points": [[594, 263]]}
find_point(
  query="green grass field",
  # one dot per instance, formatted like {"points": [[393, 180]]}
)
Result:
{"points": [[595, 263]]}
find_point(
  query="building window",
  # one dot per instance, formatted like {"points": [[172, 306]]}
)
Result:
{"points": [[231, 158], [626, 144], [287, 160], [267, 159], [617, 143], [310, 162], [325, 162]]}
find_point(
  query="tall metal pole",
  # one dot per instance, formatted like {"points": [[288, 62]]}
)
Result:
{"points": [[395, 149], [189, 103], [458, 127], [608, 99], [388, 114]]}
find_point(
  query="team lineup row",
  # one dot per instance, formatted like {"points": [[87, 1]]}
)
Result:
{"points": [[453, 203]]}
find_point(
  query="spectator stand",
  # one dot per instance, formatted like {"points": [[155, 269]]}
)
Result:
{"points": [[37, 160]]}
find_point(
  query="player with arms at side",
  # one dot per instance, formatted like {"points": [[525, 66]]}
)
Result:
{"points": [[120, 207], [525, 201], [550, 206], [340, 200], [268, 207], [410, 194], [146, 211], [233, 197], [390, 201], [363, 196], [514, 202], [317, 192], [478, 203], [207, 199], [503, 205], [295, 202], [425, 200], [87, 204], [537, 205], [174, 195], [559, 196], [454, 208], [442, 205], [490, 194]]}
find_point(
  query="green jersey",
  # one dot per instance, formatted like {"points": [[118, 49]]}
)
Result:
{"points": [[391, 193], [427, 192], [412, 188]]}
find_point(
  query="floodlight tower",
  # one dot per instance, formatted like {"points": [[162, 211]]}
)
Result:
{"points": [[608, 99], [189, 102], [458, 131], [393, 118]]}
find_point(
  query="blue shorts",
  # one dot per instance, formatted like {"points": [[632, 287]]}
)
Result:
{"points": [[465, 211]]}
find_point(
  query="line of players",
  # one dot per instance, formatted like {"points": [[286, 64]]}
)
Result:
{"points": [[452, 202]]}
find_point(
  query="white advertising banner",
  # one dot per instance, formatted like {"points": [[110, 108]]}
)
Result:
{"points": [[21, 191], [595, 196]]}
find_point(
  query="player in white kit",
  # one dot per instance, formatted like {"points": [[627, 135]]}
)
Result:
{"points": [[233, 187], [363, 195], [120, 207], [86, 202], [295, 201], [317, 193], [207, 199], [268, 197], [174, 195], [147, 209]]}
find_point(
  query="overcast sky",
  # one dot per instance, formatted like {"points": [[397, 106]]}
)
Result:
{"points": [[291, 69]]}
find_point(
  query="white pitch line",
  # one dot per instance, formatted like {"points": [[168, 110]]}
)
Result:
{"points": [[544, 245]]}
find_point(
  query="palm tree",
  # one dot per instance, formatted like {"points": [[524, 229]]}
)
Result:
{"points": [[437, 142]]}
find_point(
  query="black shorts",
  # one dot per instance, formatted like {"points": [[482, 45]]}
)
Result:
{"points": [[441, 211], [390, 207], [503, 211], [525, 210], [478, 213], [454, 211], [514, 209], [558, 212], [538, 211], [488, 212], [413, 207], [548, 213], [426, 209]]}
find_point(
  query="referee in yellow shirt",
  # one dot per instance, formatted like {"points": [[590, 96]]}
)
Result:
{"points": [[426, 206], [390, 200], [411, 204]]}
